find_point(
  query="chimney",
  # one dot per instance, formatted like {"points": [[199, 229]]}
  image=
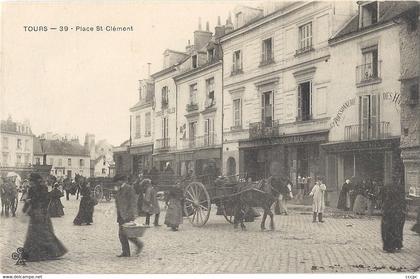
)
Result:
{"points": [[229, 25], [219, 30], [201, 38]]}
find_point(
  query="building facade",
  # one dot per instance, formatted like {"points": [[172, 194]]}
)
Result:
{"points": [[141, 131], [276, 81], [365, 128], [67, 158], [16, 146]]}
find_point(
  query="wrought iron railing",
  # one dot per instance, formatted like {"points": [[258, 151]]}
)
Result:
{"points": [[206, 140], [370, 131], [162, 144], [264, 129], [368, 72]]}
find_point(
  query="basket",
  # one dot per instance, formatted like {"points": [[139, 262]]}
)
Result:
{"points": [[133, 230]]}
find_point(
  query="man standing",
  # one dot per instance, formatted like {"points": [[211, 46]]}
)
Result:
{"points": [[126, 203]]}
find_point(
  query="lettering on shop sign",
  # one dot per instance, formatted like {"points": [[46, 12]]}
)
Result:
{"points": [[341, 111], [393, 97]]}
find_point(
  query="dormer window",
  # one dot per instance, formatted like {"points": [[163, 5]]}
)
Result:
{"points": [[210, 55], [194, 61], [368, 14]]}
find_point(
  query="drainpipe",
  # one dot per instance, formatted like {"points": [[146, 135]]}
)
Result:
{"points": [[176, 125], [222, 108]]}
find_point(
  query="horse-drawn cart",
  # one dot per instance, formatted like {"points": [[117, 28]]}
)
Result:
{"points": [[103, 187]]}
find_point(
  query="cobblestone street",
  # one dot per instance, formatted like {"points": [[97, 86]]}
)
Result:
{"points": [[297, 246]]}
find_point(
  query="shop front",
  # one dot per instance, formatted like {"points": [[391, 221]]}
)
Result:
{"points": [[298, 154], [161, 160], [141, 158], [198, 160], [377, 160]]}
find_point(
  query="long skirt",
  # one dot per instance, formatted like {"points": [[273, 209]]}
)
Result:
{"points": [[360, 204], [41, 244], [85, 214], [173, 216], [392, 226], [56, 208]]}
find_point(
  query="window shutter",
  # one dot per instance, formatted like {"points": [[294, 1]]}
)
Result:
{"points": [[299, 103]]}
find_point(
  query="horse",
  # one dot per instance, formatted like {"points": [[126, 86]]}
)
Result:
{"points": [[9, 198], [262, 194]]}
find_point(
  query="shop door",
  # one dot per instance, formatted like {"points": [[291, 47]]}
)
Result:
{"points": [[302, 161]]}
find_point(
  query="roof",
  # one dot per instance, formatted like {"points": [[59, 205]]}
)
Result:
{"points": [[97, 159], [164, 71], [388, 10], [57, 147]]}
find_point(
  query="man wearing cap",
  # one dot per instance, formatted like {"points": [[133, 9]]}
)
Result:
{"points": [[126, 203]]}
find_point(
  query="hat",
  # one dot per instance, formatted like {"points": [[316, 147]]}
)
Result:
{"points": [[34, 177]]}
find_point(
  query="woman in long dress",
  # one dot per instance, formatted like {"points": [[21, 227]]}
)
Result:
{"points": [[360, 203], [55, 207], [87, 204], [344, 198], [41, 243], [173, 216], [393, 217]]}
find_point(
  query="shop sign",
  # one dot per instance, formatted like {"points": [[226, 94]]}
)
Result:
{"points": [[319, 137], [362, 145], [341, 111], [141, 149]]}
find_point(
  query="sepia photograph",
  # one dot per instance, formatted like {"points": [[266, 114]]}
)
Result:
{"points": [[198, 138]]}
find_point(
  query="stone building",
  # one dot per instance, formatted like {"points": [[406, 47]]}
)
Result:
{"points": [[16, 146], [409, 44], [142, 123], [67, 157], [123, 160], [365, 127], [276, 82], [199, 103]]}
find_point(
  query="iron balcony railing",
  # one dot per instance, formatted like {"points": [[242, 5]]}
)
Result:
{"points": [[369, 131], [206, 140], [264, 129], [368, 72], [163, 144]]}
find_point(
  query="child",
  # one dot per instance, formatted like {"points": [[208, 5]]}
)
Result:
{"points": [[173, 216], [318, 204]]}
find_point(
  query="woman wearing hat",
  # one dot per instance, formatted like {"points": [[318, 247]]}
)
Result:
{"points": [[41, 244], [86, 207], [55, 207]]}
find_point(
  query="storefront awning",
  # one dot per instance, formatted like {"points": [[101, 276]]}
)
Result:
{"points": [[355, 146], [141, 149], [286, 140]]}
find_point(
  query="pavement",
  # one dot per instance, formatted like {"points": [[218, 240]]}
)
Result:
{"points": [[344, 243]]}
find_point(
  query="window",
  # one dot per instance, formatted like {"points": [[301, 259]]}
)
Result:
{"points": [[104, 163], [148, 125], [165, 124], [237, 62], [370, 126], [210, 92], [209, 132], [368, 14], [69, 162], [237, 113], [192, 133], [82, 162], [51, 161], [5, 158], [165, 97], [304, 101], [210, 55], [267, 109], [137, 134], [18, 159], [38, 161], [26, 159], [26, 145], [103, 171], [305, 37], [194, 61], [193, 93], [369, 68], [60, 162], [267, 51], [19, 144], [5, 142]]}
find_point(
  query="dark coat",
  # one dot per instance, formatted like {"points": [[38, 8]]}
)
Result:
{"points": [[126, 203], [342, 199], [55, 208]]}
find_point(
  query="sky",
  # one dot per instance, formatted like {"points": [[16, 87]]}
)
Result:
{"points": [[85, 82]]}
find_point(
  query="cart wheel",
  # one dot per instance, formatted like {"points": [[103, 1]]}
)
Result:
{"points": [[224, 207], [108, 196], [98, 192], [197, 204]]}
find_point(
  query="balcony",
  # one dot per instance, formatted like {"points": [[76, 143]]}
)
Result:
{"points": [[192, 107], [304, 49], [207, 140], [371, 131], [162, 144], [368, 73], [267, 129]]}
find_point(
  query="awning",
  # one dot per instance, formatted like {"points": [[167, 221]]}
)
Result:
{"points": [[360, 146], [286, 140]]}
